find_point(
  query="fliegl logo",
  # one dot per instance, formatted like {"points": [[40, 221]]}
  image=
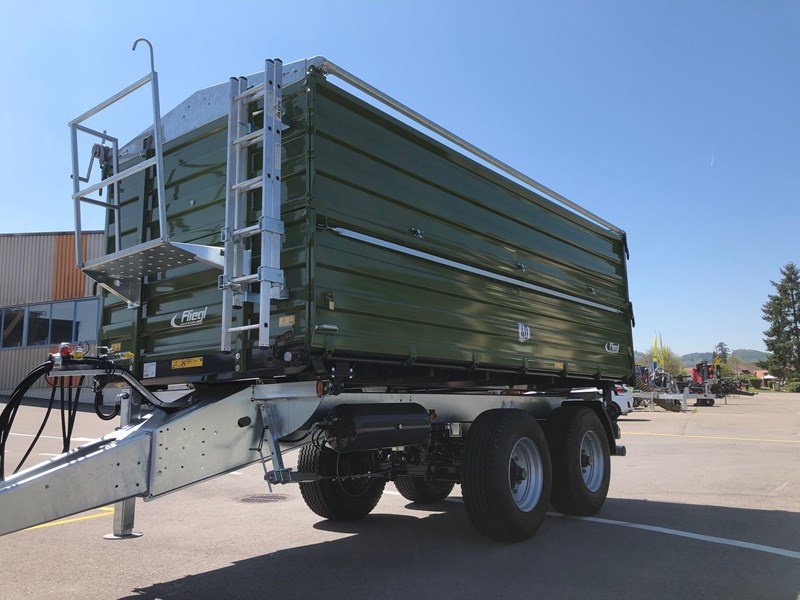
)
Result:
{"points": [[612, 347], [189, 318]]}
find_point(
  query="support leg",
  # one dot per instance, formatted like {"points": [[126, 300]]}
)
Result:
{"points": [[130, 409]]}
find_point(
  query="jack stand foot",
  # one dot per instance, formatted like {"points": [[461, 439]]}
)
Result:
{"points": [[124, 536]]}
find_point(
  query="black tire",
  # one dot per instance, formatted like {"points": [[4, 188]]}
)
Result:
{"points": [[486, 478], [417, 489], [565, 430], [338, 500], [614, 411]]}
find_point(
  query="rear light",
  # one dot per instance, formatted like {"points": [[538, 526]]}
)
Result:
{"points": [[619, 389]]}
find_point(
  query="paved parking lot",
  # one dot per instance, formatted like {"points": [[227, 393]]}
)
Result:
{"points": [[706, 504]]}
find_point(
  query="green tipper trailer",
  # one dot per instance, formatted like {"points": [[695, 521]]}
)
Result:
{"points": [[289, 265], [402, 258]]}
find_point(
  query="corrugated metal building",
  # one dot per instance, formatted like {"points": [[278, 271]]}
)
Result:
{"points": [[44, 299]]}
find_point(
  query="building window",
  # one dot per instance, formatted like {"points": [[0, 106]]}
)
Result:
{"points": [[38, 324], [61, 320], [86, 313], [49, 323], [13, 325]]}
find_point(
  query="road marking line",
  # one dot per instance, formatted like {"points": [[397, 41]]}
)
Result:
{"points": [[235, 473], [106, 511], [55, 437], [665, 530], [687, 534], [47, 454], [712, 437], [780, 487]]}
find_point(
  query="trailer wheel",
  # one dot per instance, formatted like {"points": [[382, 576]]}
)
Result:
{"points": [[339, 500], [417, 489], [506, 475], [581, 461]]}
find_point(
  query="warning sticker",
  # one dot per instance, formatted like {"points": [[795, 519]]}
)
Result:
{"points": [[286, 321], [116, 346], [148, 370], [187, 363]]}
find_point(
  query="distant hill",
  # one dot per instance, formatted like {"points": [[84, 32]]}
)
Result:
{"points": [[751, 356], [691, 359]]}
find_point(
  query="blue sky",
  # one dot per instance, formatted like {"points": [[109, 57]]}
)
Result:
{"points": [[677, 121]]}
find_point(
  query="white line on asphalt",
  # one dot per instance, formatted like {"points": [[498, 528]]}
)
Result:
{"points": [[55, 437], [780, 487], [665, 530], [235, 473], [47, 454], [688, 534]]}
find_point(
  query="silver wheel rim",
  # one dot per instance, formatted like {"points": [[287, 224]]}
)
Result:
{"points": [[525, 474], [592, 465]]}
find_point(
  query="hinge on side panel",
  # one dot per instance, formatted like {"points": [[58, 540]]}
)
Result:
{"points": [[633, 319]]}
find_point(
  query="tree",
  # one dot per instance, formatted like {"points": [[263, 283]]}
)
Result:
{"points": [[669, 361], [782, 312], [722, 351]]}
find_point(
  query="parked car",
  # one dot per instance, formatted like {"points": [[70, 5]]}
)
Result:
{"points": [[621, 401]]}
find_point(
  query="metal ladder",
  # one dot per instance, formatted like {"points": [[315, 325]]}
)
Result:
{"points": [[238, 275]]}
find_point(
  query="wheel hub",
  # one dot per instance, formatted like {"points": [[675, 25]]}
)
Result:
{"points": [[525, 474], [591, 461]]}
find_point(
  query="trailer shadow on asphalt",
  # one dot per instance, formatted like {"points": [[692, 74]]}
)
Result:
{"points": [[434, 552]]}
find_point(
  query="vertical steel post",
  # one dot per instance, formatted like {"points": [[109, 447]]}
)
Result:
{"points": [[130, 409], [270, 196], [76, 187], [118, 213], [230, 221], [162, 195]]}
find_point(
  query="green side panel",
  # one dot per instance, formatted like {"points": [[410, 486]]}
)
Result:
{"points": [[379, 177]]}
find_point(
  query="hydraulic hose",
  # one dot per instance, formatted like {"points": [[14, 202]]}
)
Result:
{"points": [[10, 411]]}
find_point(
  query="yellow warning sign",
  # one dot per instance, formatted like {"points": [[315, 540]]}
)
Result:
{"points": [[116, 346], [187, 363], [286, 321]]}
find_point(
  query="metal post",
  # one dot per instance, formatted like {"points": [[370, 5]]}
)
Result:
{"points": [[130, 409], [118, 213], [76, 187], [230, 221], [270, 196], [162, 195]]}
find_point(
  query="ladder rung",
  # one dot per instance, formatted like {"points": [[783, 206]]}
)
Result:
{"points": [[243, 328], [245, 232], [250, 138], [249, 184], [245, 278], [250, 94]]}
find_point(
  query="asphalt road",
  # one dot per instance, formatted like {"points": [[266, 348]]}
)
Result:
{"points": [[705, 505]]}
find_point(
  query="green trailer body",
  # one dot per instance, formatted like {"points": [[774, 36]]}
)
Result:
{"points": [[401, 257]]}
